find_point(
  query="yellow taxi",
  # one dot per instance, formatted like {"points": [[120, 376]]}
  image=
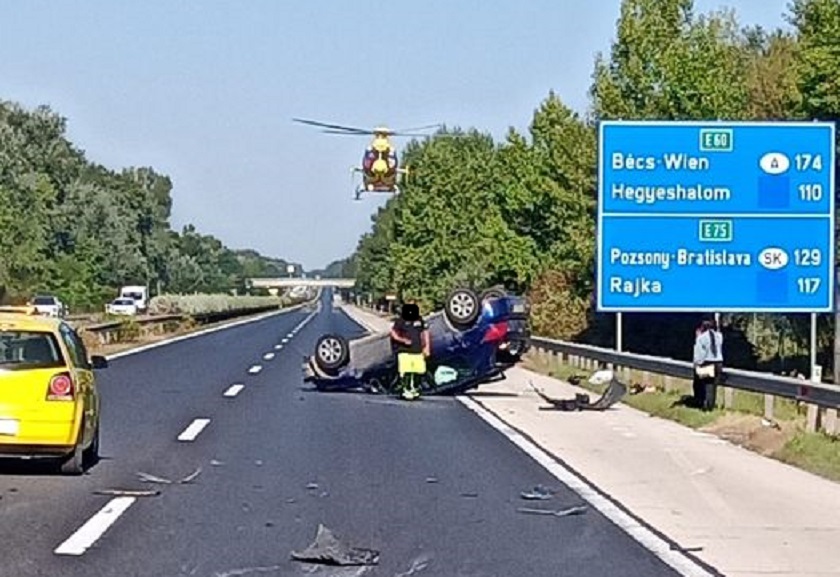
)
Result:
{"points": [[49, 402]]}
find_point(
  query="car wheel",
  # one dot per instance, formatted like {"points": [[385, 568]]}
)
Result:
{"points": [[462, 307], [91, 454], [331, 352], [493, 293], [75, 463]]}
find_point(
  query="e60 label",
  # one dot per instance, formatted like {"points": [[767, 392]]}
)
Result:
{"points": [[716, 140]]}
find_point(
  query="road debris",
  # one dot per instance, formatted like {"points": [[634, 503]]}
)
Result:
{"points": [[539, 493], [469, 494], [126, 493], [248, 571], [431, 479], [328, 550], [147, 478], [215, 463], [417, 565], [581, 401], [312, 486], [559, 513], [685, 549]]}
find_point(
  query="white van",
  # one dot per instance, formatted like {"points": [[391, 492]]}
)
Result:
{"points": [[139, 294]]}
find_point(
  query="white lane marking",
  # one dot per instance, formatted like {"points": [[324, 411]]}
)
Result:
{"points": [[95, 527], [285, 341], [202, 333], [234, 390], [268, 356], [278, 347], [290, 335], [644, 536], [191, 432], [255, 369]]}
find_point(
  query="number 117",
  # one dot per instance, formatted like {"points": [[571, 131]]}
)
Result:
{"points": [[808, 285]]}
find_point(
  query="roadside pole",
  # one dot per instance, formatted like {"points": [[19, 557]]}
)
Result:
{"points": [[618, 332], [814, 371], [836, 331]]}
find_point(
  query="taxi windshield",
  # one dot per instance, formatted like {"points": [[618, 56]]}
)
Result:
{"points": [[28, 350]]}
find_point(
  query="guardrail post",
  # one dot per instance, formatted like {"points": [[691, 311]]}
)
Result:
{"points": [[769, 405], [813, 420], [728, 397], [830, 422]]}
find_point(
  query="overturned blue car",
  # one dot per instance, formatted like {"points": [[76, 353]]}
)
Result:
{"points": [[473, 340]]}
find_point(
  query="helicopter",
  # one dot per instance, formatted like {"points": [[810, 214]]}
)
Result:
{"points": [[380, 164]]}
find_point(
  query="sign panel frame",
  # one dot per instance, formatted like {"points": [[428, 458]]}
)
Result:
{"points": [[719, 140]]}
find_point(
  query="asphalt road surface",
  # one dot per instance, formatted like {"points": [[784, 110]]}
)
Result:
{"points": [[428, 484]]}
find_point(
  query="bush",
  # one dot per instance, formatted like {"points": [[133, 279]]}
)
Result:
{"points": [[556, 311], [203, 304]]}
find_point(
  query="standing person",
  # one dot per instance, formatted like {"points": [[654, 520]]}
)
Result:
{"points": [[708, 364], [412, 343]]}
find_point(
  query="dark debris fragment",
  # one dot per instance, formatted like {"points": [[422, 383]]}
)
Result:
{"points": [[328, 550]]}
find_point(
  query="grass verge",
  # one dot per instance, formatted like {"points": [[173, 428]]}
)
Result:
{"points": [[784, 440]]}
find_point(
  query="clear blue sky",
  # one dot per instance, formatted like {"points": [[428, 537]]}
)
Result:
{"points": [[204, 91]]}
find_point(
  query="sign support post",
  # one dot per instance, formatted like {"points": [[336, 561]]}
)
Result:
{"points": [[619, 331], [813, 339]]}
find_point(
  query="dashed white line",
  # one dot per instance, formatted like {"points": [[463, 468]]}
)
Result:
{"points": [[191, 432], [234, 390], [268, 356], [95, 527], [278, 347], [255, 369], [285, 341], [290, 335]]}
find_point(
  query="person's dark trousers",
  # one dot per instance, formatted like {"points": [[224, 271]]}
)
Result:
{"points": [[699, 392], [710, 386]]}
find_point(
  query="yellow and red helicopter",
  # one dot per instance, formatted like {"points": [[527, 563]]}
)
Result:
{"points": [[380, 164]]}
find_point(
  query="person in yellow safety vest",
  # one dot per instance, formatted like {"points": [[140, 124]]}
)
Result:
{"points": [[413, 346]]}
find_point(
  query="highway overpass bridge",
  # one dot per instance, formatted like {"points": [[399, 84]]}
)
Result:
{"points": [[269, 283]]}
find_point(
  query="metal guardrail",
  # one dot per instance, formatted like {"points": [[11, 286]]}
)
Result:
{"points": [[817, 395], [821, 394], [107, 330]]}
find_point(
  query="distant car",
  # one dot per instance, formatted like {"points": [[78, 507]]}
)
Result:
{"points": [[465, 339], [122, 307], [49, 402], [49, 305]]}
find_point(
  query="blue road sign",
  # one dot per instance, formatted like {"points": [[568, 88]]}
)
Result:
{"points": [[716, 216]]}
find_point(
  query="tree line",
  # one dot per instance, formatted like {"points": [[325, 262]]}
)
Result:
{"points": [[522, 212], [76, 229]]}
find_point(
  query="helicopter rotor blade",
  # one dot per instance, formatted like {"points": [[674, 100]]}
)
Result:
{"points": [[346, 133], [337, 127], [410, 134], [417, 128]]}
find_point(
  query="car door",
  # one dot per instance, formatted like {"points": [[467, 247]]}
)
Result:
{"points": [[83, 377]]}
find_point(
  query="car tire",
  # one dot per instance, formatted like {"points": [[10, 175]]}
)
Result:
{"points": [[331, 352], [91, 454], [74, 464], [493, 293], [462, 307]]}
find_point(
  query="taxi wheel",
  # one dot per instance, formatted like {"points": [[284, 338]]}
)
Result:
{"points": [[74, 464], [91, 454]]}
